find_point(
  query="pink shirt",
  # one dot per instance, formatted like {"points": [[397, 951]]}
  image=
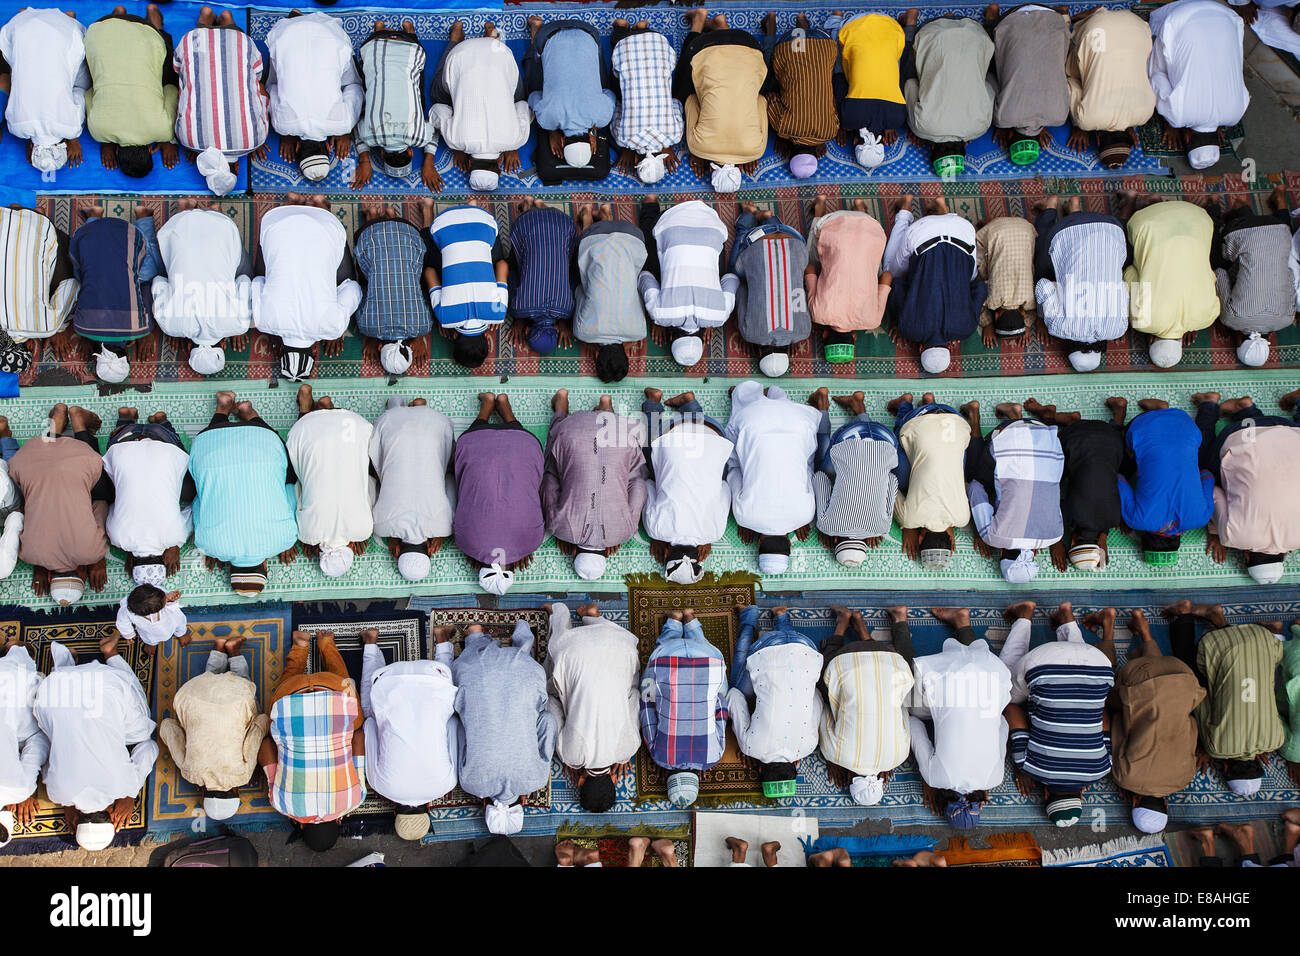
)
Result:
{"points": [[847, 295], [1254, 506]]}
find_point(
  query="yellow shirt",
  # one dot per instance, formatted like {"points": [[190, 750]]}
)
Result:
{"points": [[870, 47], [1171, 284], [935, 444], [726, 118]]}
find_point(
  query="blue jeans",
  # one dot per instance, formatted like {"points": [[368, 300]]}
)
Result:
{"points": [[748, 629], [674, 629], [125, 430], [1207, 419], [8, 447], [658, 420], [746, 223], [860, 426]]}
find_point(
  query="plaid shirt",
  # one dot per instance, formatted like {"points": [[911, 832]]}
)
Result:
{"points": [[1028, 463], [1004, 254], [318, 778], [647, 118], [390, 256], [684, 704]]}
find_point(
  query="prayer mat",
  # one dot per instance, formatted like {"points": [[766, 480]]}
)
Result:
{"points": [[872, 851], [176, 804], [1213, 349], [713, 600], [80, 632], [1182, 850], [1124, 851], [1151, 140], [1004, 849], [903, 161], [792, 831], [613, 846]]}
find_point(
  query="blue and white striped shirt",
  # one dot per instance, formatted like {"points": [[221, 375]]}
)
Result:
{"points": [[469, 298], [1065, 684]]}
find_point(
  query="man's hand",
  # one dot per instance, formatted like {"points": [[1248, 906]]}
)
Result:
{"points": [[838, 776], [120, 811], [108, 155], [1025, 783], [1060, 557], [171, 155], [429, 174], [74, 152], [25, 812], [510, 161], [912, 542], [931, 798], [1293, 770], [564, 334], [342, 145], [1203, 761], [981, 546], [172, 596], [362, 174], [1214, 547], [172, 560], [1077, 141]]}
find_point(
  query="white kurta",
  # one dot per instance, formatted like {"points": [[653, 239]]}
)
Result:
{"points": [[156, 628], [299, 298], [1197, 65], [787, 713], [46, 51], [329, 452], [410, 449], [772, 464], [314, 87], [201, 297], [484, 118], [100, 731], [23, 746], [689, 500], [146, 517]]}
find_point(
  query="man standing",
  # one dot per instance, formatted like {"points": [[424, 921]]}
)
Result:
{"points": [[592, 676], [46, 85]]}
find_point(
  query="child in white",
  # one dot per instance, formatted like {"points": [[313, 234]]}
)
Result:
{"points": [[153, 616]]}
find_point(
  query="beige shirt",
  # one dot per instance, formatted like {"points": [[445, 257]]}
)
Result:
{"points": [[935, 444], [62, 528], [726, 118], [216, 731], [1254, 505], [1106, 69], [1004, 256]]}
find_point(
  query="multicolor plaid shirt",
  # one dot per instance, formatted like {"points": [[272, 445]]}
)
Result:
{"points": [[318, 777], [390, 255], [684, 704], [647, 119]]}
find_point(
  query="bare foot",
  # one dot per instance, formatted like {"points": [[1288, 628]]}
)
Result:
{"points": [[1022, 609], [769, 851], [954, 617]]}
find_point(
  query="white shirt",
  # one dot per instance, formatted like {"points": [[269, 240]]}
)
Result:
{"points": [[156, 628], [46, 50], [23, 747], [329, 451], [1088, 301], [299, 298], [1197, 65], [412, 736], [484, 118], [314, 87], [201, 297], [783, 726], [771, 466], [911, 232], [101, 735], [963, 689], [409, 449], [593, 677], [689, 500], [146, 517]]}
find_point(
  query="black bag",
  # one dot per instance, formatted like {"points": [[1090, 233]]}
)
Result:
{"points": [[218, 851]]}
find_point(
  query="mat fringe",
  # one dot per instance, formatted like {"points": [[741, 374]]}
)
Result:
{"points": [[1084, 854]]}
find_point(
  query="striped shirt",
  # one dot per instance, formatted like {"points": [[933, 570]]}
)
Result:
{"points": [[690, 293], [1027, 467], [390, 255], [392, 68], [1236, 725], [1065, 684], [864, 728], [771, 306], [29, 258], [109, 258], [542, 241], [859, 501], [647, 118], [317, 778], [606, 305], [1085, 299], [803, 108], [1256, 291], [469, 298], [221, 102]]}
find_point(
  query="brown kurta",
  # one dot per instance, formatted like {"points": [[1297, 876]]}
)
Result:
{"points": [[803, 109], [62, 528], [1153, 734]]}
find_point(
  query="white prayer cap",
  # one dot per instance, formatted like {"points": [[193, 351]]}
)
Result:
{"points": [[936, 359], [496, 579], [867, 791], [774, 364], [66, 589], [1087, 557], [396, 358], [7, 824], [803, 165], [47, 159], [725, 179], [683, 788], [869, 153], [1203, 157], [504, 819], [484, 180], [111, 367], [651, 169], [1269, 573], [1245, 788], [589, 565], [207, 359], [414, 565], [577, 154], [154, 574], [683, 570], [687, 350], [1020, 571], [215, 170], [1165, 353], [1149, 821], [1253, 351], [1088, 361], [334, 562], [94, 836], [851, 553], [220, 808], [773, 563]]}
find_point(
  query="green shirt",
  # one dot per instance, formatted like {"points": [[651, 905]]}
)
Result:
{"points": [[127, 103], [1239, 718], [1288, 695]]}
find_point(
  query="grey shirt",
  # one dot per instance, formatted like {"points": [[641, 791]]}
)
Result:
{"points": [[1030, 49], [951, 98], [607, 305], [770, 304], [1257, 295]]}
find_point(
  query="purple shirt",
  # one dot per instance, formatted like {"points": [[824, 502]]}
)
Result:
{"points": [[498, 498], [594, 487]]}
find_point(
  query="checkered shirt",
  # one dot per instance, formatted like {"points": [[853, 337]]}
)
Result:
{"points": [[647, 118], [318, 778], [390, 255], [683, 704]]}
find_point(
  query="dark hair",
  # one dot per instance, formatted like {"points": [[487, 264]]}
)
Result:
{"points": [[1159, 542], [771, 772], [221, 794], [400, 158], [311, 147], [492, 165], [99, 816], [135, 161], [683, 551], [940, 150], [145, 600], [1051, 793], [1009, 322], [1197, 140], [320, 836], [1087, 537], [935, 541], [404, 811], [1243, 769], [774, 544], [580, 138], [834, 337], [1158, 804], [1113, 147], [978, 796], [1256, 559], [1010, 554], [596, 795], [471, 351], [611, 362]]}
